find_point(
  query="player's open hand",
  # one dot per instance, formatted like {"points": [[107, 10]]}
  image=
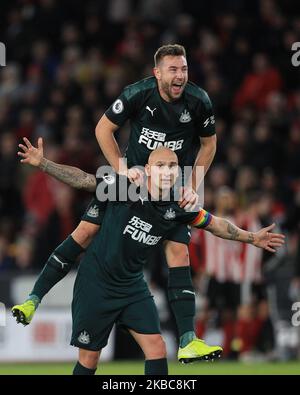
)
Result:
{"points": [[268, 240], [188, 198], [30, 154], [136, 175]]}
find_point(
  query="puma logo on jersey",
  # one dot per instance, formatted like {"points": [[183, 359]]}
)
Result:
{"points": [[63, 264], [142, 199], [149, 109], [186, 291]]}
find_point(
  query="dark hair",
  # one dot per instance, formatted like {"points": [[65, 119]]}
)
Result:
{"points": [[168, 50]]}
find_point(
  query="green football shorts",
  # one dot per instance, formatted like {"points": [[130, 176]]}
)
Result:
{"points": [[94, 314]]}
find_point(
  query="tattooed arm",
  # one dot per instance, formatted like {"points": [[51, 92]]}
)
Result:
{"points": [[263, 239], [226, 230], [69, 175]]}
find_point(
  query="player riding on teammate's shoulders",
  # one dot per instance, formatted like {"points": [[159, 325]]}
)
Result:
{"points": [[114, 272]]}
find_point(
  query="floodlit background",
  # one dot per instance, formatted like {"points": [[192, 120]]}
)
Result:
{"points": [[66, 62]]}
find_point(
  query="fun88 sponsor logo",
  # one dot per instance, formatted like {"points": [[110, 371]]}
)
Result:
{"points": [[153, 139], [139, 231]]}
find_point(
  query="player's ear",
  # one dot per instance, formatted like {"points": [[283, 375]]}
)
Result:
{"points": [[176, 172], [157, 73], [147, 169]]}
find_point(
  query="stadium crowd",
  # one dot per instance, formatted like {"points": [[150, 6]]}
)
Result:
{"points": [[67, 62]]}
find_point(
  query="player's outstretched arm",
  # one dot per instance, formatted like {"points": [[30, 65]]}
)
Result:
{"points": [[263, 239], [69, 175]]}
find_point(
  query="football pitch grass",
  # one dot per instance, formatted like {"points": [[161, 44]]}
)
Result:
{"points": [[137, 368]]}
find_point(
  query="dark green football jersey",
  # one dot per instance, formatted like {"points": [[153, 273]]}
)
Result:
{"points": [[129, 232], [155, 122]]}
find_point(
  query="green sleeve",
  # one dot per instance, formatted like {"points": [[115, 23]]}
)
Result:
{"points": [[124, 107], [205, 119]]}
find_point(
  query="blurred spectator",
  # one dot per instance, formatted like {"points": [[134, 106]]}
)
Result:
{"points": [[253, 334], [234, 278], [217, 264], [24, 248], [38, 192], [9, 193], [61, 222], [10, 82], [6, 257], [258, 84]]}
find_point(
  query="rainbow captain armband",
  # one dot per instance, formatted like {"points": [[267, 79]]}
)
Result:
{"points": [[202, 220]]}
